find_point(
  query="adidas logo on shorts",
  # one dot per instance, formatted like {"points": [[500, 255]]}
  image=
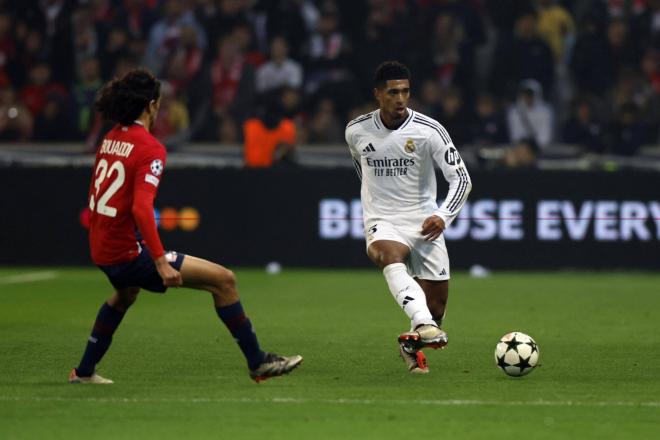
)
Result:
{"points": [[443, 272]]}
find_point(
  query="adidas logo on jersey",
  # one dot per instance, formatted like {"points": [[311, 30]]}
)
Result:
{"points": [[369, 148]]}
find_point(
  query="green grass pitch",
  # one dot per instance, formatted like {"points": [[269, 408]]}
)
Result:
{"points": [[178, 373]]}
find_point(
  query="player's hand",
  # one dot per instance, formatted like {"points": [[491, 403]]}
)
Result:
{"points": [[171, 277], [432, 227]]}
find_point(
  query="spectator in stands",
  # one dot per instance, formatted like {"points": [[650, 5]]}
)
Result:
{"points": [[219, 17], [328, 57], [589, 58], [7, 45], [504, 13], [455, 117], [233, 83], [530, 117], [524, 56], [448, 54], [291, 19], [186, 59], [489, 126], [173, 121], [228, 132], [136, 17], [627, 132], [291, 102], [460, 24], [292, 108], [16, 121], [136, 48], [86, 35], [614, 61], [622, 51], [598, 58], [84, 94], [583, 128], [445, 49], [114, 47], [40, 85], [521, 155], [629, 87], [165, 35], [270, 138], [429, 100], [380, 38], [124, 65], [645, 29], [53, 123], [53, 18], [324, 127], [244, 37], [650, 68], [556, 27], [280, 70], [29, 52]]}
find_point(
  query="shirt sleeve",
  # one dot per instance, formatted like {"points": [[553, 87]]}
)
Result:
{"points": [[147, 178], [348, 134], [455, 173]]}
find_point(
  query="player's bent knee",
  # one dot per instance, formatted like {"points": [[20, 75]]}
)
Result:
{"points": [[126, 297], [225, 281], [382, 259]]}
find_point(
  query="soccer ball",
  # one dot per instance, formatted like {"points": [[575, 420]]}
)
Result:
{"points": [[516, 354]]}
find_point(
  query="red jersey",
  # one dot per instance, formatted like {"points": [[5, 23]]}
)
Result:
{"points": [[128, 167]]}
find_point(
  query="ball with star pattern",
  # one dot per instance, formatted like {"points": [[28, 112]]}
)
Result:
{"points": [[516, 354]]}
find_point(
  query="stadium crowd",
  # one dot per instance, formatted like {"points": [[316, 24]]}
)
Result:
{"points": [[524, 72]]}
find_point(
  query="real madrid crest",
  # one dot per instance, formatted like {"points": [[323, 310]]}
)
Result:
{"points": [[410, 146]]}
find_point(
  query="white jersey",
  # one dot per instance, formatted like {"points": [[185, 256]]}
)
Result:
{"points": [[397, 173]]}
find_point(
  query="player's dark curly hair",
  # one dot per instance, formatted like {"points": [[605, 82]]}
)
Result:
{"points": [[390, 70], [124, 99]]}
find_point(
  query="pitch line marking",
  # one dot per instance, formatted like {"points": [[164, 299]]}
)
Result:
{"points": [[366, 402], [28, 277]]}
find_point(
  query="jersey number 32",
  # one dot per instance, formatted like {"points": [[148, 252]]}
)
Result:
{"points": [[102, 172]]}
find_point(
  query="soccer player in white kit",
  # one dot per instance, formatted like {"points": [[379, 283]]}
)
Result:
{"points": [[394, 150]]}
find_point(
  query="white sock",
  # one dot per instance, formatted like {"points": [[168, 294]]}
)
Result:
{"points": [[438, 322], [407, 293]]}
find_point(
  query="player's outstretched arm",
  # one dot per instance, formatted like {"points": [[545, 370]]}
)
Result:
{"points": [[455, 173]]}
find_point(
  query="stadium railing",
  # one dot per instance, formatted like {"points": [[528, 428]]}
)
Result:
{"points": [[556, 157]]}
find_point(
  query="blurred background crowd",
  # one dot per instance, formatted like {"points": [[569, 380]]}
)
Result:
{"points": [[493, 72]]}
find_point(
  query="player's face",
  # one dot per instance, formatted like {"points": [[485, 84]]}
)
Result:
{"points": [[394, 97]]}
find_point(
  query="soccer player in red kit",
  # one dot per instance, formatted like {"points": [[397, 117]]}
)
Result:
{"points": [[124, 241]]}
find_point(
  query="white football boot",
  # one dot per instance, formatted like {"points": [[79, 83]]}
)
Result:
{"points": [[275, 365], [94, 378], [423, 336], [415, 361]]}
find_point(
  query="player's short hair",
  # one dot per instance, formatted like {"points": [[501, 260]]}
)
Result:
{"points": [[390, 70], [124, 99]]}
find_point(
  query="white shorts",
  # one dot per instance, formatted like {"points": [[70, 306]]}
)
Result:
{"points": [[428, 260]]}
